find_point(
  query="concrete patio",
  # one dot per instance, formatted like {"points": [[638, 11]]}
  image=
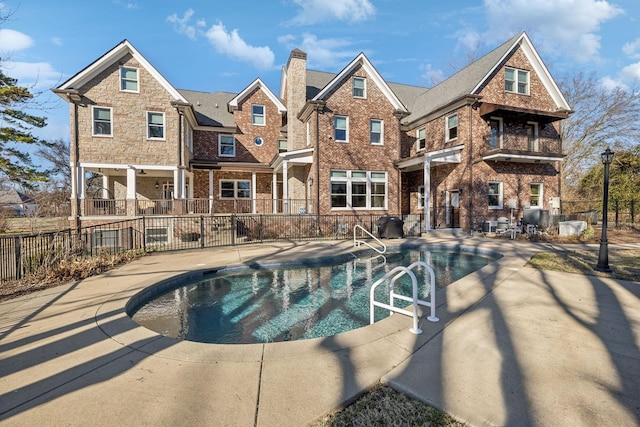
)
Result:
{"points": [[514, 346]]}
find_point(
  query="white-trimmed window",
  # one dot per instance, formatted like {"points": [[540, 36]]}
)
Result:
{"points": [[359, 87], [106, 238], [421, 197], [235, 189], [421, 139], [156, 235], [341, 128], [102, 121], [155, 125], [495, 195], [532, 136], [257, 115], [376, 132], [129, 79], [282, 146], [495, 137], [516, 81], [535, 195], [226, 146], [452, 127], [358, 189]]}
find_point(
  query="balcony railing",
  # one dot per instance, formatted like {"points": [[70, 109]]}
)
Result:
{"points": [[155, 207], [512, 141]]}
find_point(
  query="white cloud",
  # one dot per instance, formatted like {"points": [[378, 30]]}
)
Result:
{"points": [[232, 45], [609, 83], [560, 27], [40, 75], [322, 54], [182, 25], [631, 72], [431, 75], [13, 41], [632, 49], [57, 41], [314, 11]]}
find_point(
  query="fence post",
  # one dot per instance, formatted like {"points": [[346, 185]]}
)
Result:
{"points": [[18, 251], [260, 228], [144, 234], [201, 232], [617, 212], [233, 229]]}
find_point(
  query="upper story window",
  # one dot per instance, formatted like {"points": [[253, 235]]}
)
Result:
{"points": [[421, 137], [257, 114], [532, 136], [155, 125], [495, 195], [359, 87], [452, 127], [282, 146], [102, 121], [129, 79], [341, 128], [376, 132], [226, 145], [516, 81], [495, 138]]}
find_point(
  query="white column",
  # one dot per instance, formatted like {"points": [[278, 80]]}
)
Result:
{"points": [[211, 191], [131, 183], [285, 187], [82, 185], [427, 194], [105, 186], [177, 184], [274, 192], [254, 193]]}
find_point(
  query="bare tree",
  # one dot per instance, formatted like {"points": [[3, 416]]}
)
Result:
{"points": [[57, 154], [602, 117]]}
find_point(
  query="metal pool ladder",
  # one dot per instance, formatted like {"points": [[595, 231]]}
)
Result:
{"points": [[357, 242], [394, 275]]}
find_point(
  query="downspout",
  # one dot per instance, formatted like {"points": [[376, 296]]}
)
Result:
{"points": [[317, 150], [76, 143], [470, 186], [180, 157]]}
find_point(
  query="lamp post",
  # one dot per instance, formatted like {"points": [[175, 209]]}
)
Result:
{"points": [[603, 255]]}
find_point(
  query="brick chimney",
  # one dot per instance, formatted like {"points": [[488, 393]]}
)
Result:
{"points": [[296, 98]]}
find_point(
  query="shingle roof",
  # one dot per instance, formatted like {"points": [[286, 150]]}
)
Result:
{"points": [[211, 107], [10, 196], [460, 84]]}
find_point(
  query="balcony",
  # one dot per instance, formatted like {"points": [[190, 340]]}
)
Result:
{"points": [[177, 207], [519, 148]]}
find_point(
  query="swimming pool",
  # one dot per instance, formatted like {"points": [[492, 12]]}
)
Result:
{"points": [[291, 302]]}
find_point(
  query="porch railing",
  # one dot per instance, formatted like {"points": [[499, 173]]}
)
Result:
{"points": [[155, 207], [521, 142]]}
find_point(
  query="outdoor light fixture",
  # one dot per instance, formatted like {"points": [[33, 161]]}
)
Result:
{"points": [[157, 184], [603, 255], [142, 172]]}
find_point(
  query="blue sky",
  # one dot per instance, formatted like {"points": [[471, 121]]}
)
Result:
{"points": [[210, 46]]}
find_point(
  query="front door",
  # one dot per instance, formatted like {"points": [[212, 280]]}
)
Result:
{"points": [[453, 209]]}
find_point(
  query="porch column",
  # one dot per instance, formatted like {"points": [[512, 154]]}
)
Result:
{"points": [[177, 184], [274, 192], [105, 187], [82, 185], [254, 193], [131, 191], [285, 187], [211, 191], [427, 193]]}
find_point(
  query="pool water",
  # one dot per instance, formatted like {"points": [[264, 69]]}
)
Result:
{"points": [[292, 302]]}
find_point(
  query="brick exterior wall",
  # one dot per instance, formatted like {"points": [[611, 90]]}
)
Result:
{"points": [[129, 143]]}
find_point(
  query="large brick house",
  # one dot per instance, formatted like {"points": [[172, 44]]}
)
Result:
{"points": [[482, 144]]}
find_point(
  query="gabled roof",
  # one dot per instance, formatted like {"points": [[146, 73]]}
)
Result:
{"points": [[361, 60], [11, 196], [256, 84], [108, 59], [210, 108], [471, 79]]}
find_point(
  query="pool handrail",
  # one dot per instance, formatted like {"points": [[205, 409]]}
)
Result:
{"points": [[357, 242], [398, 272]]}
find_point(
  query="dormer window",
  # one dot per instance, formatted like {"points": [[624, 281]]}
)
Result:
{"points": [[359, 87], [516, 81], [257, 114], [129, 79]]}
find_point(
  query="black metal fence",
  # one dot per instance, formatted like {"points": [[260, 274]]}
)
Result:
{"points": [[620, 211], [23, 255]]}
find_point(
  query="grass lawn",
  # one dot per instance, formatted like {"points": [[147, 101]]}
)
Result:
{"points": [[625, 263]]}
